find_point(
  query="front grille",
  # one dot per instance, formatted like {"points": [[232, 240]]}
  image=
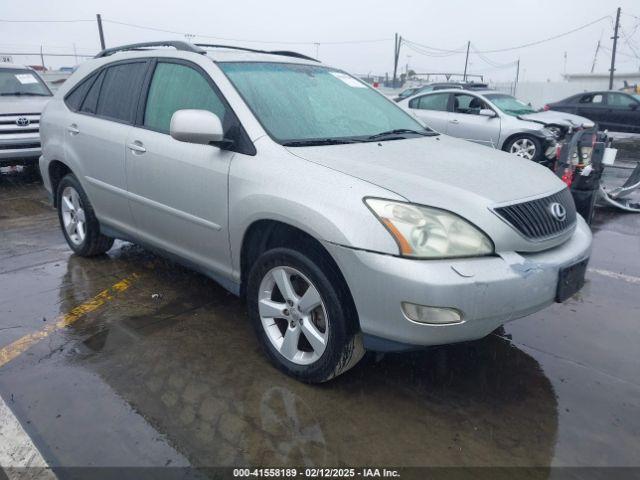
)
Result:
{"points": [[534, 219], [19, 146]]}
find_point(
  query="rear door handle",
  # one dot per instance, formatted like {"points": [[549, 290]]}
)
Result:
{"points": [[137, 147], [454, 121], [73, 129]]}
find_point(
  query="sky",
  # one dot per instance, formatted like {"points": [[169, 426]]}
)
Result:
{"points": [[355, 35]]}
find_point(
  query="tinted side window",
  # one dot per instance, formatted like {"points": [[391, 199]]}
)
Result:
{"points": [[90, 102], [74, 99], [596, 98], [619, 100], [469, 104], [438, 101], [176, 87], [120, 91]]}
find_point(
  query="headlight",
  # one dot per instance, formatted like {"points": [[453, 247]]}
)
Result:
{"points": [[425, 232]]}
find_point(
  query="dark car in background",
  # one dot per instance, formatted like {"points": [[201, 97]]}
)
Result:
{"points": [[409, 92], [614, 111]]}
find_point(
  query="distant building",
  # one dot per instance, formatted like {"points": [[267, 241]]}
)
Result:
{"points": [[600, 81]]}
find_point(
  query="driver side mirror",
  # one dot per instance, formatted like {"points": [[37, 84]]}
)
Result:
{"points": [[487, 112], [196, 126], [633, 106]]}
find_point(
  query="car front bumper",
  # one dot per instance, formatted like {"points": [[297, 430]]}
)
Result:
{"points": [[19, 149], [489, 291]]}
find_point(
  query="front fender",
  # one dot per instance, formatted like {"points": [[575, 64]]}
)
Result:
{"points": [[274, 186]]}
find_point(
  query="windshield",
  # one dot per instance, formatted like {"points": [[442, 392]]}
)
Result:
{"points": [[509, 105], [18, 81], [296, 103]]}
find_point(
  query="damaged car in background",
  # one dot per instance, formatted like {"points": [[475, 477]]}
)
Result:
{"points": [[497, 120]]}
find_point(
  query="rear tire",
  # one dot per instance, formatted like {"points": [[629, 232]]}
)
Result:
{"points": [[280, 314], [78, 221]]}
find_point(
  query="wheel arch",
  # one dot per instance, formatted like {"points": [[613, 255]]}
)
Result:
{"points": [[56, 171], [265, 234], [524, 133]]}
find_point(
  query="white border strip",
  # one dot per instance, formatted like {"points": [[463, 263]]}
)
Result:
{"points": [[17, 451]]}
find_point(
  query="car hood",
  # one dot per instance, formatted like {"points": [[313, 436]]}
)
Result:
{"points": [[437, 170], [447, 173], [558, 118], [19, 104]]}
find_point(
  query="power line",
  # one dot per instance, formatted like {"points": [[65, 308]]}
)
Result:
{"points": [[461, 49], [424, 50], [548, 39], [491, 62], [244, 40], [47, 54], [44, 21]]}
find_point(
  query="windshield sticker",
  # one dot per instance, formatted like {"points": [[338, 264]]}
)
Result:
{"points": [[352, 82], [26, 78]]}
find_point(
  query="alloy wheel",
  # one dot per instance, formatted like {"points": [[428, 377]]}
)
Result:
{"points": [[524, 148], [73, 216], [293, 315]]}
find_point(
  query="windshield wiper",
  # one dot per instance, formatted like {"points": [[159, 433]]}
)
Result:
{"points": [[400, 131], [318, 141], [27, 94]]}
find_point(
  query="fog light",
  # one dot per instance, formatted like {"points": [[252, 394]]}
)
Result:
{"points": [[432, 315]]}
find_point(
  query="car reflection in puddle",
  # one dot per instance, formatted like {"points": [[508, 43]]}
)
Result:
{"points": [[180, 350]]}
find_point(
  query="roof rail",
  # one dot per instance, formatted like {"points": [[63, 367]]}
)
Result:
{"points": [[284, 53], [178, 45]]}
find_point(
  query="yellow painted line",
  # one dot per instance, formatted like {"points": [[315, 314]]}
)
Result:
{"points": [[18, 347]]}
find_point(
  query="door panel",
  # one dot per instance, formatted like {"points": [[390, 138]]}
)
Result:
{"points": [[179, 191], [178, 196], [622, 117], [433, 110], [593, 107], [466, 122], [96, 136], [477, 128], [98, 145]]}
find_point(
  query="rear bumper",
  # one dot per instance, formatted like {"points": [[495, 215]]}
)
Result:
{"points": [[489, 291]]}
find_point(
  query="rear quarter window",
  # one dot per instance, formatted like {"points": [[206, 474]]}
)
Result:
{"points": [[74, 99], [120, 91]]}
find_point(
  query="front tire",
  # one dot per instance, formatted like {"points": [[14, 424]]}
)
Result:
{"points": [[79, 224], [300, 316], [525, 146]]}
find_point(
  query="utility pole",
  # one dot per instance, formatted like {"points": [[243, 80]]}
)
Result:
{"points": [[42, 58], [396, 56], [613, 52], [75, 53], [595, 57], [466, 62], [317, 44], [99, 19], [515, 86]]}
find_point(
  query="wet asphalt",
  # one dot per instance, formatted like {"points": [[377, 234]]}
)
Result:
{"points": [[168, 372]]}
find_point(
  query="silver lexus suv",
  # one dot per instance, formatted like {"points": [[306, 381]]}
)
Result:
{"points": [[343, 222], [23, 95]]}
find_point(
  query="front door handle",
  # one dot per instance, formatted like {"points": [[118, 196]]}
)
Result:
{"points": [[137, 147], [454, 121], [73, 129]]}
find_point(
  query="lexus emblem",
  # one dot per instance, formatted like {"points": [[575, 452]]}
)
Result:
{"points": [[22, 121], [558, 211]]}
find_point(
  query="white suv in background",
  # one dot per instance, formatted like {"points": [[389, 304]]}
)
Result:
{"points": [[23, 95]]}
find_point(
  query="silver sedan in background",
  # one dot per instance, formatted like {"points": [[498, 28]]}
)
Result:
{"points": [[494, 119]]}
